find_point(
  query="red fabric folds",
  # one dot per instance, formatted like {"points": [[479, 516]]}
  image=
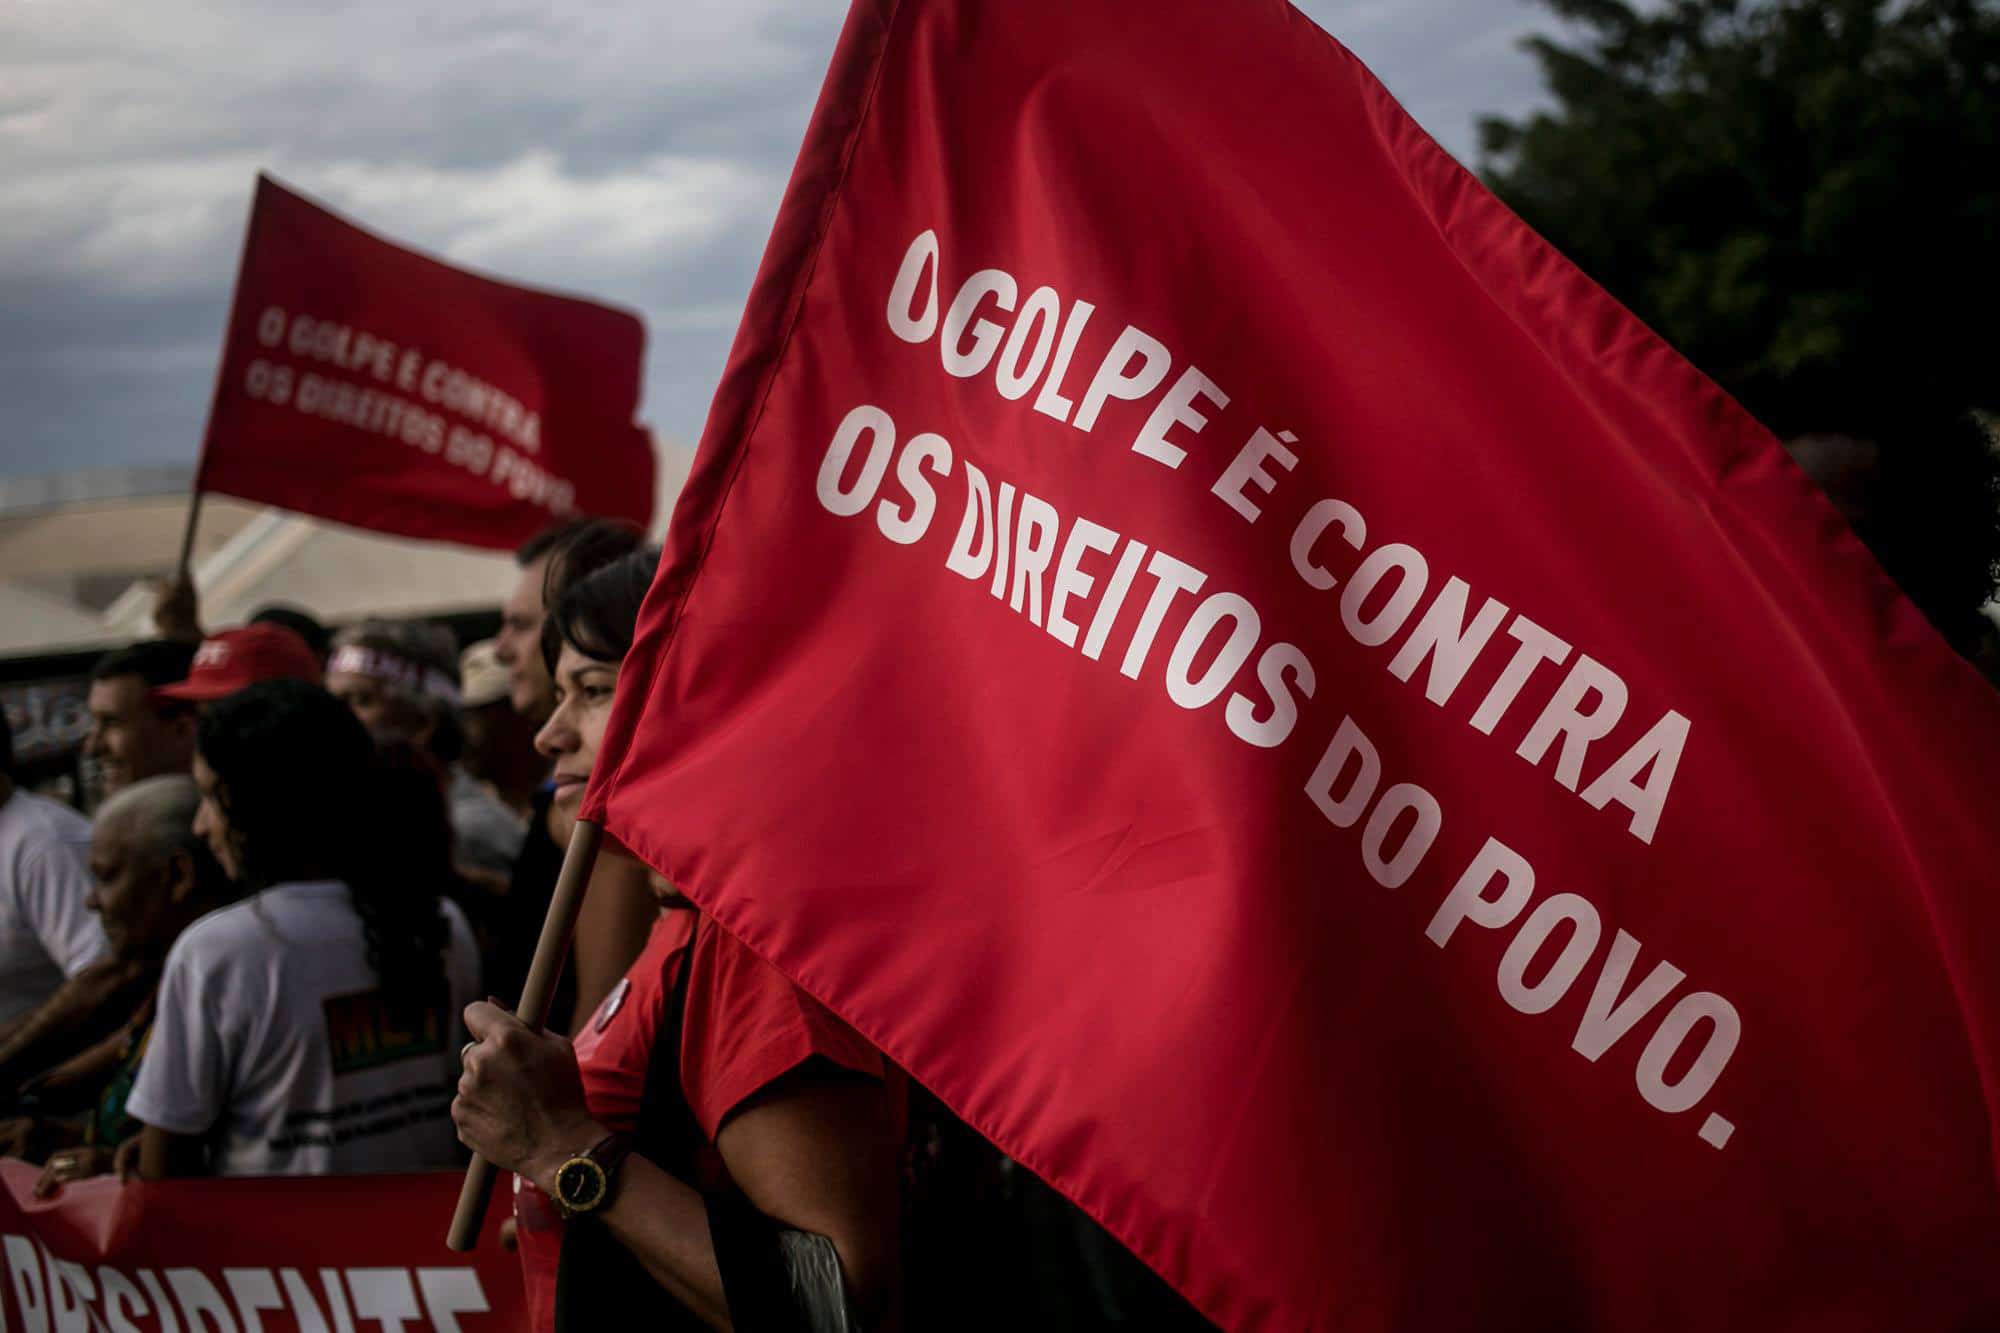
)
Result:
{"points": [[374, 386], [1437, 824]]}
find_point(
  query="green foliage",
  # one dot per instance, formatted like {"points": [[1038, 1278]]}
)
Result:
{"points": [[1803, 196]]}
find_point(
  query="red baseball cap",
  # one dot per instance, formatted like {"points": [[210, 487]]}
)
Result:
{"points": [[236, 658]]}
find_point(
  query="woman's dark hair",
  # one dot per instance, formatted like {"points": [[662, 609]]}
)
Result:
{"points": [[306, 797], [413, 786], [597, 614], [581, 548]]}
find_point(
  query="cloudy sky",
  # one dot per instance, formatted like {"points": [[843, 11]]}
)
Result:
{"points": [[628, 149]]}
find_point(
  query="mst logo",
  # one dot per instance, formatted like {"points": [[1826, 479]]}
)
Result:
{"points": [[363, 1032]]}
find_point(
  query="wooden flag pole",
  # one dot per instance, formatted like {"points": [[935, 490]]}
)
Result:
{"points": [[176, 605], [536, 994], [181, 570]]}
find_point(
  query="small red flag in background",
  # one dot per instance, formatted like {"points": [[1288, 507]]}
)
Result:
{"points": [[1306, 723], [374, 386]]}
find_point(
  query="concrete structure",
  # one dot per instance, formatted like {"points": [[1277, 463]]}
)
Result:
{"points": [[78, 552]]}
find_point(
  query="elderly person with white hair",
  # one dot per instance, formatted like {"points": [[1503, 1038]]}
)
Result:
{"points": [[152, 878]]}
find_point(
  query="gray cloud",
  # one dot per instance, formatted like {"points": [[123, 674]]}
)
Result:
{"points": [[630, 150]]}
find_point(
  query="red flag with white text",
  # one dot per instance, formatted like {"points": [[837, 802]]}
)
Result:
{"points": [[375, 386], [1306, 723]]}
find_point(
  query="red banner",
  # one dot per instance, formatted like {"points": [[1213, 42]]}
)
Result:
{"points": [[375, 386], [347, 1253], [1306, 723]]}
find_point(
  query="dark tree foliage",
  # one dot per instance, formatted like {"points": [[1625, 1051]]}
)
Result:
{"points": [[1803, 196]]}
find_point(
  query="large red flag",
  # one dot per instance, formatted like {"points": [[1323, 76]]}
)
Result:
{"points": [[1306, 723], [375, 386]]}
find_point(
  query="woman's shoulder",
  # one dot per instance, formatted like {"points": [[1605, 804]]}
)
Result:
{"points": [[747, 1024], [217, 929], [721, 959], [659, 964], [251, 925], [223, 944]]}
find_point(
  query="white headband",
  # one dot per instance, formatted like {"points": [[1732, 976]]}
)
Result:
{"points": [[415, 677]]}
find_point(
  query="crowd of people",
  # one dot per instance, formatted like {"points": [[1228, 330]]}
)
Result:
{"points": [[314, 852], [308, 852], [309, 857]]}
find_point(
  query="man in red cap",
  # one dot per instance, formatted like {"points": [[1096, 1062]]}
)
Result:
{"points": [[235, 658]]}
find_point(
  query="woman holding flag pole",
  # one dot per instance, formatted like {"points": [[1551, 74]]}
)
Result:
{"points": [[716, 1149]]}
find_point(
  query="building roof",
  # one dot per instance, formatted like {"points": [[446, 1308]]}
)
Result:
{"points": [[77, 552]]}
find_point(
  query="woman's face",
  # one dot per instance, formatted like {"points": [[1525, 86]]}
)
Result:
{"points": [[583, 690], [212, 825]]}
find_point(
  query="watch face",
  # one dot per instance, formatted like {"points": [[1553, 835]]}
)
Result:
{"points": [[580, 1184]]}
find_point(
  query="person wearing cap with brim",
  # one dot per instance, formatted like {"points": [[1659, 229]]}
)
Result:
{"points": [[235, 659]]}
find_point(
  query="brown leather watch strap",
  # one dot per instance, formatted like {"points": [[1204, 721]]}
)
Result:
{"points": [[610, 1153]]}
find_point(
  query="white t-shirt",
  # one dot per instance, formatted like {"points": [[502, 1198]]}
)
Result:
{"points": [[46, 933], [271, 1039]]}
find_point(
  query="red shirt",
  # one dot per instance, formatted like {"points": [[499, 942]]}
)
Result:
{"points": [[745, 1026]]}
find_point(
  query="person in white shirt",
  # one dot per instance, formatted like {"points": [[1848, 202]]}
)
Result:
{"points": [[46, 932], [312, 1028]]}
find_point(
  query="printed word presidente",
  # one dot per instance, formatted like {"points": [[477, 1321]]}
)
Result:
{"points": [[1007, 529], [53, 1295]]}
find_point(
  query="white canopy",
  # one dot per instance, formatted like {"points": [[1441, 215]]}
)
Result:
{"points": [[76, 552]]}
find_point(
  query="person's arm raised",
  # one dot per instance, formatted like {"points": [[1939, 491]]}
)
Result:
{"points": [[177, 609]]}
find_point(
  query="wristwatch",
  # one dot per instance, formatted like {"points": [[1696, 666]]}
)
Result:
{"points": [[585, 1182]]}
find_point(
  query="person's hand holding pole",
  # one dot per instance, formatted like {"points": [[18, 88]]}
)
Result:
{"points": [[536, 994]]}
